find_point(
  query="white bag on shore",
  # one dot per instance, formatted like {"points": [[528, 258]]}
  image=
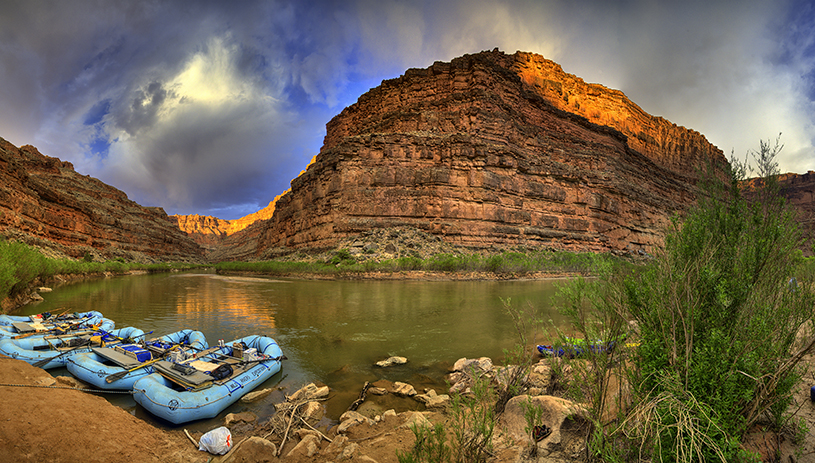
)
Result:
{"points": [[217, 442]]}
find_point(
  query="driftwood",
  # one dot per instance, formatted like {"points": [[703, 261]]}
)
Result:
{"points": [[191, 439], [362, 395], [286, 434]]}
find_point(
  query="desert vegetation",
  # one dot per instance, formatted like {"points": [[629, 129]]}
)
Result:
{"points": [[21, 265], [508, 263]]}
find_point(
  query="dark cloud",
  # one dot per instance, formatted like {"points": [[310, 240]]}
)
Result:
{"points": [[213, 107]]}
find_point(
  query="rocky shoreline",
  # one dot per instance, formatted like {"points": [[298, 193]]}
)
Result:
{"points": [[299, 430], [60, 419]]}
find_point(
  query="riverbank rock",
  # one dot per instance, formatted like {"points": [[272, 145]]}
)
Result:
{"points": [[391, 362], [233, 419], [309, 392], [404, 389], [539, 380], [464, 372], [413, 419], [308, 446], [565, 419], [253, 449], [351, 418], [432, 400], [312, 412], [254, 396]]}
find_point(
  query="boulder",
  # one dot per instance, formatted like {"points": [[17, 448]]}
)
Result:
{"points": [[235, 418], [253, 450], [480, 365], [433, 400], [391, 362], [309, 392], [403, 389], [415, 419], [312, 412], [306, 448], [254, 396], [377, 390], [336, 446], [351, 418], [567, 421]]}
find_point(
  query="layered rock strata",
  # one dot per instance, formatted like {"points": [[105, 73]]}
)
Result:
{"points": [[46, 203], [213, 234], [494, 150], [799, 189]]}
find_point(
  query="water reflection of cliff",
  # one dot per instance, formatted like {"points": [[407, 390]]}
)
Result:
{"points": [[225, 298]]}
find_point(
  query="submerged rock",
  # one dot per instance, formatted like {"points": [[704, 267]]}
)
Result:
{"points": [[391, 362]]}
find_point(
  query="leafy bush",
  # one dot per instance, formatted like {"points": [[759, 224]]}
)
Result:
{"points": [[20, 265], [718, 313]]}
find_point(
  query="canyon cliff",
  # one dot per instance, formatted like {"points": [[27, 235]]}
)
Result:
{"points": [[213, 233], [799, 189], [494, 150], [45, 203]]}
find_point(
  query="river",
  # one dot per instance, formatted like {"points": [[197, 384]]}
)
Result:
{"points": [[331, 331]]}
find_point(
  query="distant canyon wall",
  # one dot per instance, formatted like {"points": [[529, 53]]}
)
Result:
{"points": [[45, 203], [799, 189], [494, 150], [213, 233]]}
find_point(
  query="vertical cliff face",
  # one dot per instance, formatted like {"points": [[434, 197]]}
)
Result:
{"points": [[44, 202], [494, 149]]}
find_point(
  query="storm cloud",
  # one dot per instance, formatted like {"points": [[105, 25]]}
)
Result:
{"points": [[213, 107]]}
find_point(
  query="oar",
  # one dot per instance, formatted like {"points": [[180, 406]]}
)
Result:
{"points": [[122, 374], [52, 330], [267, 359], [121, 339], [42, 362], [227, 356]]}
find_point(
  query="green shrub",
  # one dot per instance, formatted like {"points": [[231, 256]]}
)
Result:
{"points": [[717, 313]]}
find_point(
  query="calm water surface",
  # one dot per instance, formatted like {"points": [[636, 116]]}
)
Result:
{"points": [[331, 331]]}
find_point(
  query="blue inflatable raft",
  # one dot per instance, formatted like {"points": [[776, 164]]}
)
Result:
{"points": [[55, 351], [37, 325], [183, 390], [96, 366], [575, 348]]}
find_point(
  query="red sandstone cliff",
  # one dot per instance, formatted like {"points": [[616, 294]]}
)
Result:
{"points": [[494, 149], [212, 233], [45, 203], [800, 191]]}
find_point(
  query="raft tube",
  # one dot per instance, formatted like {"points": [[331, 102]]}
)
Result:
{"points": [[93, 368], [77, 321], [7, 320], [37, 348], [165, 399], [576, 349]]}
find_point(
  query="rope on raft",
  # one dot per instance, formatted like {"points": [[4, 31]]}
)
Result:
{"points": [[177, 407], [67, 387]]}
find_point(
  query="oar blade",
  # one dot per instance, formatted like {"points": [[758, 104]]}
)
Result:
{"points": [[41, 363], [117, 376]]}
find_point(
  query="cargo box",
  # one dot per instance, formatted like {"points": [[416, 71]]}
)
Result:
{"points": [[134, 350]]}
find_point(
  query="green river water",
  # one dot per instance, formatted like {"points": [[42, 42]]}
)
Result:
{"points": [[331, 331]]}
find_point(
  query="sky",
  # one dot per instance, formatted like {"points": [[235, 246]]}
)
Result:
{"points": [[213, 107]]}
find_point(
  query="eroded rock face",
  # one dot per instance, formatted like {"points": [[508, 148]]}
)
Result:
{"points": [[44, 202], [494, 149], [225, 239], [799, 189]]}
